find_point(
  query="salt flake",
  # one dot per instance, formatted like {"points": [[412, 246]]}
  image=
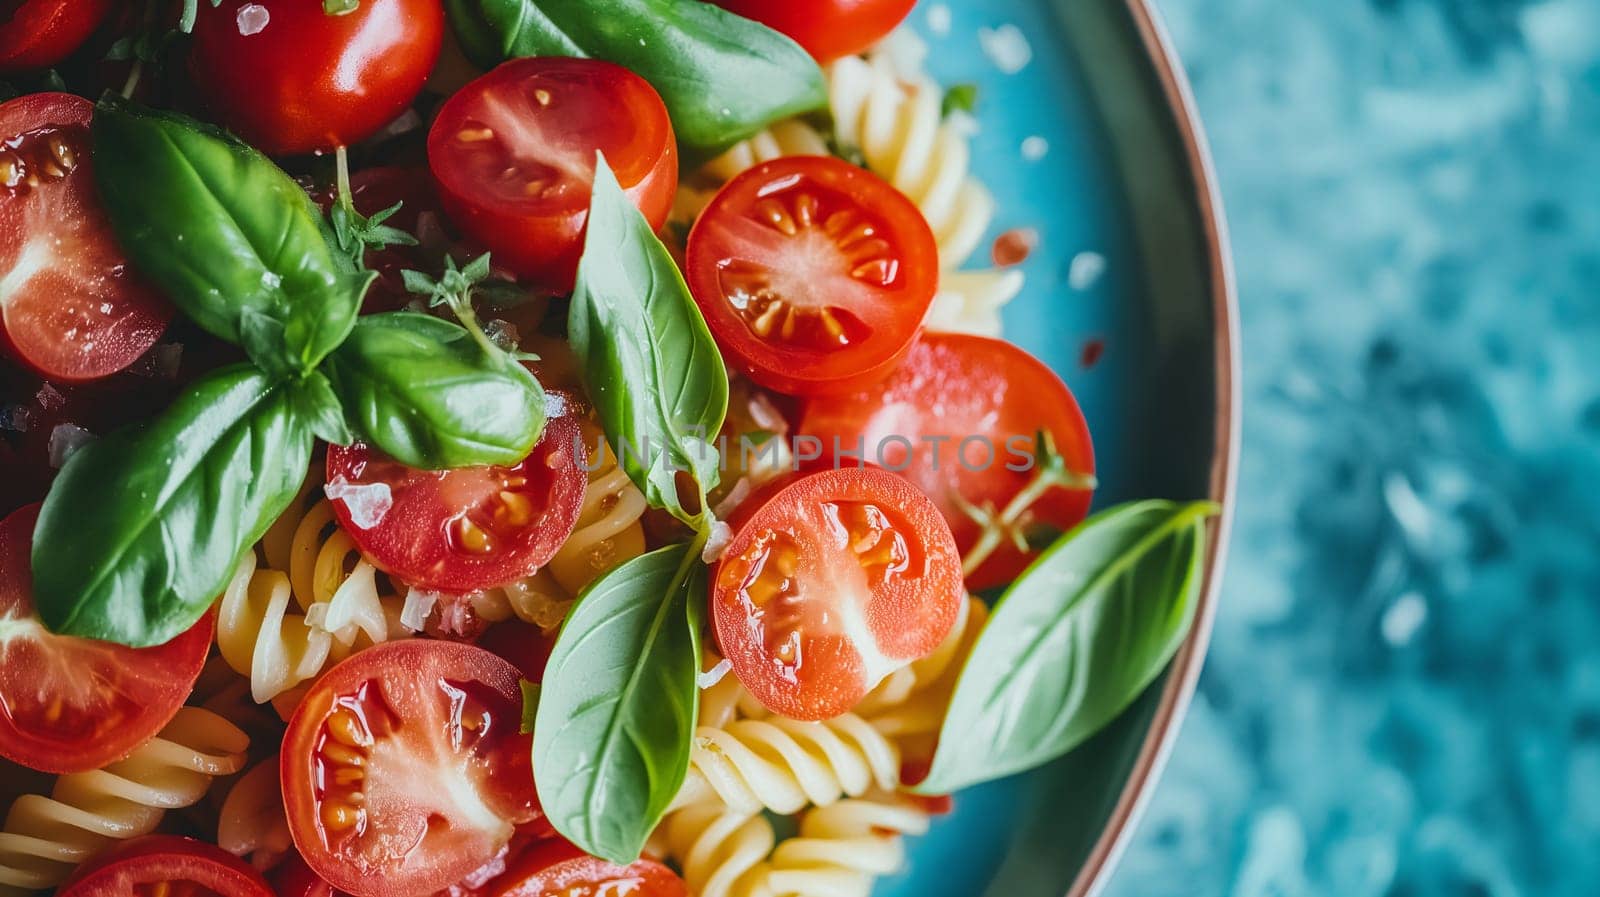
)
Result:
{"points": [[368, 504]]}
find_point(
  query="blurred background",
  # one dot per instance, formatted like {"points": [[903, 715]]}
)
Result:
{"points": [[1414, 192]]}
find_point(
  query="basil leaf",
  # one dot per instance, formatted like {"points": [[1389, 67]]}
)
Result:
{"points": [[1074, 641], [617, 710], [424, 392], [313, 399], [232, 240], [722, 77], [142, 529], [650, 365]]}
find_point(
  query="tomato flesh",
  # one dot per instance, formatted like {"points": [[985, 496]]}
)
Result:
{"points": [[70, 307], [954, 388], [166, 866], [814, 275], [832, 581], [828, 29], [513, 154], [461, 530], [291, 79], [555, 868], [37, 34], [404, 769], [72, 704]]}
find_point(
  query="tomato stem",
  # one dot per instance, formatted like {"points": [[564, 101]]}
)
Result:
{"points": [[1050, 472], [341, 168]]}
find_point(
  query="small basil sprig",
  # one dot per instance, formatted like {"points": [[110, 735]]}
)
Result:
{"points": [[227, 236], [1074, 641], [142, 527], [649, 362], [427, 394], [615, 720], [722, 77]]}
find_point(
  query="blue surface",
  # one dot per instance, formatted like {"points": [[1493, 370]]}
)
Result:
{"points": [[1403, 693]]}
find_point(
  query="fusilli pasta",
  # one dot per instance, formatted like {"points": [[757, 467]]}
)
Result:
{"points": [[45, 838], [784, 765], [722, 852], [910, 704], [252, 822]]}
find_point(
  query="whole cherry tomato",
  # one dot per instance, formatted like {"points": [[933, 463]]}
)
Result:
{"points": [[36, 34], [828, 29]]}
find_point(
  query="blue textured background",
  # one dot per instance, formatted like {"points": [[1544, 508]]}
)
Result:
{"points": [[1403, 693]]}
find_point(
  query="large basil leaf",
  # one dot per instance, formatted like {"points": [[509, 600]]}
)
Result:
{"points": [[228, 237], [143, 527], [722, 77], [425, 393], [1074, 641], [651, 367], [616, 715]]}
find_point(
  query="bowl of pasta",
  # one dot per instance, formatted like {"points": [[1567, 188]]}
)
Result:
{"points": [[551, 447]]}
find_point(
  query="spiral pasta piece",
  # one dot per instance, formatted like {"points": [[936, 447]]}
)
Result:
{"points": [[252, 822], [722, 852], [785, 765], [609, 532], [913, 699], [45, 838], [843, 848], [970, 301]]}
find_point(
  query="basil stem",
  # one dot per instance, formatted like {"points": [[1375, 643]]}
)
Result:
{"points": [[1074, 641], [722, 77], [143, 527], [616, 714]]}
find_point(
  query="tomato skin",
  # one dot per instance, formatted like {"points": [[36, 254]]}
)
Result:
{"points": [[523, 645], [814, 275], [828, 29], [956, 385], [555, 868], [417, 538], [80, 313], [37, 34], [817, 563], [444, 771], [308, 81], [587, 105], [152, 861], [71, 704]]}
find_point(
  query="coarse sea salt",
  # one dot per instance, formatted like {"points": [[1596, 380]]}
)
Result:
{"points": [[939, 19], [368, 503], [1007, 47], [1086, 270], [1034, 148], [253, 18]]}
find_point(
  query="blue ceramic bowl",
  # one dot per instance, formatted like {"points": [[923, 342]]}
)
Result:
{"points": [[1124, 187]]}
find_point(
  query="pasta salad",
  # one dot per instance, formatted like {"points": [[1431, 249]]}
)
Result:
{"points": [[525, 447]]}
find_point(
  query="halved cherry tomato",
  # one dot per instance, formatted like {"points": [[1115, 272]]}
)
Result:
{"points": [[70, 307], [374, 190], [461, 530], [404, 769], [832, 581], [957, 412], [74, 704], [814, 275], [523, 645], [555, 868], [514, 156], [828, 29], [168, 866], [290, 78], [36, 34]]}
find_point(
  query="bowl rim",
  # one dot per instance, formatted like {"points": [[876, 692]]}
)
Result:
{"points": [[1180, 685]]}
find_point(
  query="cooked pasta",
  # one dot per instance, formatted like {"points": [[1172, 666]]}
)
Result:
{"points": [[910, 704], [843, 848], [785, 765], [608, 533], [46, 837], [970, 301], [722, 852], [252, 823]]}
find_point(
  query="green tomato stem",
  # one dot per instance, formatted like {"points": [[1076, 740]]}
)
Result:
{"points": [[998, 528]]}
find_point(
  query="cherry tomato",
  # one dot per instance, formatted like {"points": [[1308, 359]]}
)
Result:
{"points": [[70, 307], [813, 274], [373, 190], [166, 865], [289, 78], [957, 412], [828, 29], [37, 34], [404, 769], [832, 581], [555, 868], [72, 704], [514, 156], [460, 530], [523, 645]]}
